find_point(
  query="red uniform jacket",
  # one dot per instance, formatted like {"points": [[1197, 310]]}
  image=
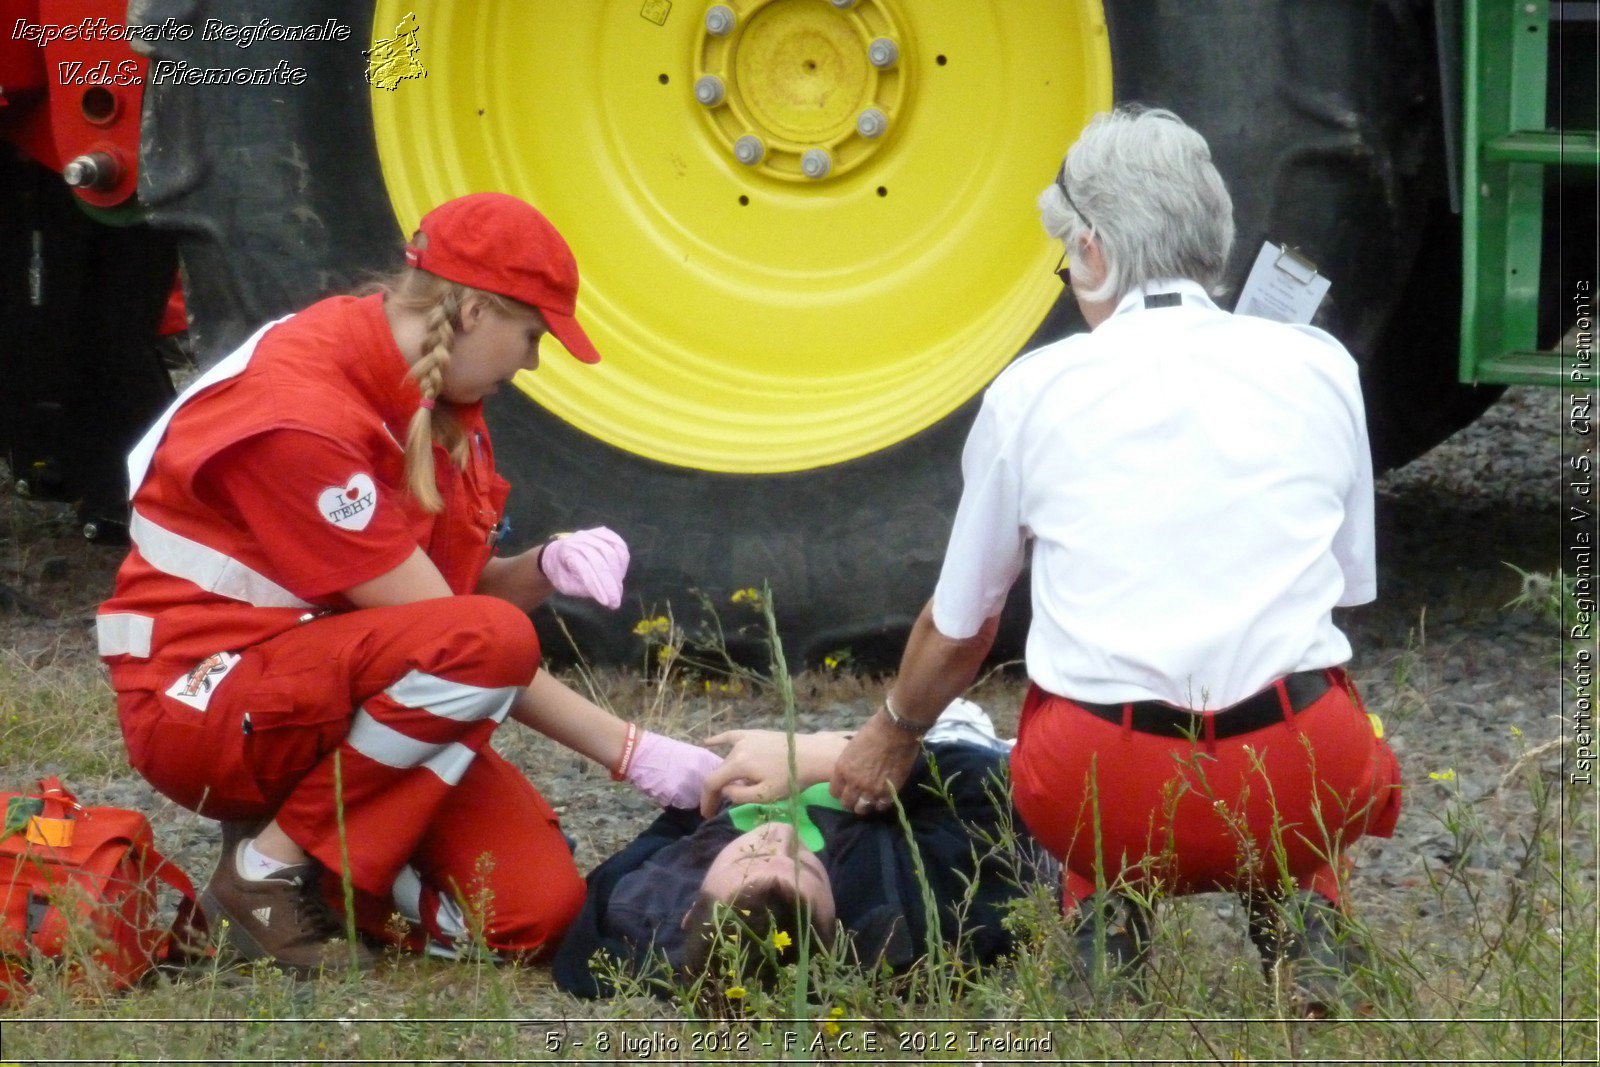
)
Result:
{"points": [[196, 581]]}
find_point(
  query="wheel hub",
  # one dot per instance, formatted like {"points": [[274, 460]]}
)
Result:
{"points": [[798, 76], [806, 227]]}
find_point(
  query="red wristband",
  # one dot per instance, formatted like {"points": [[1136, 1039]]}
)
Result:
{"points": [[620, 771]]}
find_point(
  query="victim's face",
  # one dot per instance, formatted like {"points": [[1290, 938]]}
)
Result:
{"points": [[772, 854]]}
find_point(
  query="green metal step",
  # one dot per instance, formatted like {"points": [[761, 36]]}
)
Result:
{"points": [[1539, 368], [1554, 148], [1507, 162]]}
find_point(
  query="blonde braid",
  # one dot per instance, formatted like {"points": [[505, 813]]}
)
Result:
{"points": [[431, 425], [440, 302]]}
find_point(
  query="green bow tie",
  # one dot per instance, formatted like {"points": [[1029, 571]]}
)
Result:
{"points": [[746, 817]]}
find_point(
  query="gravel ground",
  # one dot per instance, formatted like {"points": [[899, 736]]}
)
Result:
{"points": [[1440, 656]]}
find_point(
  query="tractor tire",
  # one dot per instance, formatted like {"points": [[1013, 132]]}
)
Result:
{"points": [[1323, 116]]}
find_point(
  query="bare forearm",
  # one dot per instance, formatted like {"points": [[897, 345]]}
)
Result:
{"points": [[816, 755], [757, 766], [555, 710], [517, 579], [936, 669]]}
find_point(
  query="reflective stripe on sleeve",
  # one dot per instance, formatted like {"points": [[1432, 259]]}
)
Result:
{"points": [[388, 746], [124, 634], [227, 367], [172, 553], [451, 700]]}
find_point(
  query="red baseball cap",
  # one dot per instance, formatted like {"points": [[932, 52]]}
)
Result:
{"points": [[495, 242]]}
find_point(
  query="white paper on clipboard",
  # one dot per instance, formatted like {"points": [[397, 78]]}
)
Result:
{"points": [[1283, 286]]}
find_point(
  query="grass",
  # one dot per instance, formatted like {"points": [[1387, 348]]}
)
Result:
{"points": [[1467, 963], [57, 715]]}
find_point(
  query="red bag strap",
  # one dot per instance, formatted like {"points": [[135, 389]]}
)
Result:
{"points": [[185, 939], [50, 788]]}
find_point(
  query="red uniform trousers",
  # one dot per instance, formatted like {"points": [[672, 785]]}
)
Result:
{"points": [[386, 715], [1240, 813]]}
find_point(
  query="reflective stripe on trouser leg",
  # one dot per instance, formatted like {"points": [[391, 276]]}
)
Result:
{"points": [[493, 855], [395, 764], [430, 682], [440, 699]]}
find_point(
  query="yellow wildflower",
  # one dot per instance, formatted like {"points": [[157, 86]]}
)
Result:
{"points": [[1515, 732], [737, 992], [781, 940], [831, 1024], [659, 626], [750, 596], [1446, 775]]}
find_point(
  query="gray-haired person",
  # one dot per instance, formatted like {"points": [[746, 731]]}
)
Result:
{"points": [[1197, 489]]}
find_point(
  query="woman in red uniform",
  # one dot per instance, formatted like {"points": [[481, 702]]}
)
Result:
{"points": [[312, 635]]}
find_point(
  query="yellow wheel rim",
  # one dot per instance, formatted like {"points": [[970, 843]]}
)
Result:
{"points": [[857, 271]]}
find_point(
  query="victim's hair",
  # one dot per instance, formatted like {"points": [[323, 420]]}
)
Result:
{"points": [[758, 911]]}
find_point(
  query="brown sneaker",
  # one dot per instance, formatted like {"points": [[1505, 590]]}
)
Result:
{"points": [[282, 919]]}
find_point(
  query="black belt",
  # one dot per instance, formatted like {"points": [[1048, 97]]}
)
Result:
{"points": [[1303, 689]]}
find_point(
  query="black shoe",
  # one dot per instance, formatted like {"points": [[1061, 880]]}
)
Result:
{"points": [[281, 918], [1111, 939], [1307, 942]]}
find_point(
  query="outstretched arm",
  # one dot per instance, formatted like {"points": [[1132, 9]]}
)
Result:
{"points": [[669, 772], [757, 766], [567, 718]]}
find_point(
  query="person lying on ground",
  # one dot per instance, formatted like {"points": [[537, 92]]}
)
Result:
{"points": [[773, 871]]}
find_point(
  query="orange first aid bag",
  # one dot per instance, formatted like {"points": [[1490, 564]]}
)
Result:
{"points": [[82, 885]]}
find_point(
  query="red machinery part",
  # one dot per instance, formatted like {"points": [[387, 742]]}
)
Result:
{"points": [[71, 89]]}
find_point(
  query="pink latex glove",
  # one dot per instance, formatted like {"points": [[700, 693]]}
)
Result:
{"points": [[671, 773], [589, 563]]}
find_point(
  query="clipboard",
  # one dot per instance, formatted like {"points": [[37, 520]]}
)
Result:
{"points": [[1283, 286]]}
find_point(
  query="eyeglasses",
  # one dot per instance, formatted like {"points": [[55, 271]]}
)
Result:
{"points": [[1063, 268], [1061, 183]]}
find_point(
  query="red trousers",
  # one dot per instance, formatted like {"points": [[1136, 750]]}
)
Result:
{"points": [[1242, 813], [380, 720]]}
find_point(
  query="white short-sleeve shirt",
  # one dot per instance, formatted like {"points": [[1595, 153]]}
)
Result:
{"points": [[1197, 488]]}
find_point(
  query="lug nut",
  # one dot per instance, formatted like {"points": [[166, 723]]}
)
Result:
{"points": [[709, 90], [92, 170], [749, 150], [872, 123], [720, 21], [816, 163], [883, 53], [91, 531]]}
